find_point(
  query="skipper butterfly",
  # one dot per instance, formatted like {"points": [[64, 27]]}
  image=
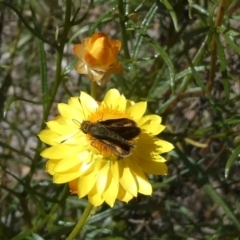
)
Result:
{"points": [[115, 134]]}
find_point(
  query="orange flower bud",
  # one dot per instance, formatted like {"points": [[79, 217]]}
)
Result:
{"points": [[98, 57]]}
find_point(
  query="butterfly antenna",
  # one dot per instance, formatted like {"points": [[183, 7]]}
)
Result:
{"points": [[70, 137]]}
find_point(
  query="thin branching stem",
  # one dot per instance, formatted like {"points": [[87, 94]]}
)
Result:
{"points": [[213, 48]]}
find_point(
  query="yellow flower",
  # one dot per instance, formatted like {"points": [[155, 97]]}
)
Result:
{"points": [[88, 163], [98, 57]]}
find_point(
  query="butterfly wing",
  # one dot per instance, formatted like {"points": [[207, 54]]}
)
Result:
{"points": [[124, 127], [122, 149]]}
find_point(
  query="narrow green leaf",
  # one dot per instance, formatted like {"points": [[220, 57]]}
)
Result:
{"points": [[232, 44], [196, 60], [167, 60], [195, 74], [7, 105], [172, 13], [64, 81], [188, 71], [228, 31], [37, 237], [100, 21], [149, 16], [13, 99], [199, 9], [70, 67], [231, 160], [75, 22]]}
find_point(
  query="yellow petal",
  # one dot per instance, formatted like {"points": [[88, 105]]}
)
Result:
{"points": [[96, 200], [88, 166], [146, 145], [145, 155], [115, 170], [153, 129], [86, 183], [69, 162], [102, 177], [47, 136], [120, 104], [144, 185], [149, 118], [111, 191], [137, 110], [128, 182], [69, 112], [58, 151], [111, 97], [157, 168], [123, 195], [73, 139], [62, 129], [74, 102], [65, 177], [164, 146], [158, 158], [50, 165], [87, 100]]}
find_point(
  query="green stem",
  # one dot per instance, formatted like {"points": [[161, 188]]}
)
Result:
{"points": [[58, 76], [57, 81], [67, 23], [85, 216], [94, 89]]}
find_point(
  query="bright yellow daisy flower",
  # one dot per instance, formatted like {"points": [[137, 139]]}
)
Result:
{"points": [[104, 150]]}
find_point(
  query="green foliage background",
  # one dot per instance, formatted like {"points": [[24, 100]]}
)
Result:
{"points": [[182, 57]]}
